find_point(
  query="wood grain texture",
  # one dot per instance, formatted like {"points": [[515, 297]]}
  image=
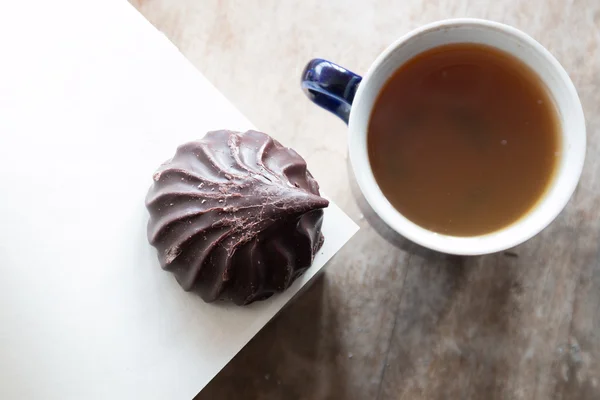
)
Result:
{"points": [[389, 322]]}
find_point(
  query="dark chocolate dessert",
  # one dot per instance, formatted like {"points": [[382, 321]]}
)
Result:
{"points": [[235, 216]]}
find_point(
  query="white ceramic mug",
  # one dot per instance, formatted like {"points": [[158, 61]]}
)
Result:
{"points": [[352, 98]]}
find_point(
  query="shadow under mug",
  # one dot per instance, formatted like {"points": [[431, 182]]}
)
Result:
{"points": [[352, 97]]}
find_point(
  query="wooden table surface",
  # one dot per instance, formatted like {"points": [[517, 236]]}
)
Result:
{"points": [[389, 322]]}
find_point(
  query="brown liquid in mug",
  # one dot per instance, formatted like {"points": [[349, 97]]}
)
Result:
{"points": [[464, 140]]}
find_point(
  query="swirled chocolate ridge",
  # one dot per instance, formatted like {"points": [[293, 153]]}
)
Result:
{"points": [[235, 216]]}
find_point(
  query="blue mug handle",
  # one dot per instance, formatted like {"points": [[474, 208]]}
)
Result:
{"points": [[330, 86]]}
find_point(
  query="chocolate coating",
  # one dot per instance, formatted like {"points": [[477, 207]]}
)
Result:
{"points": [[235, 216]]}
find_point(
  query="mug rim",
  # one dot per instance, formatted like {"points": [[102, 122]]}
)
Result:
{"points": [[471, 245]]}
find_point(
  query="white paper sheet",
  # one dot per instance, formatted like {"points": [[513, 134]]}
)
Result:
{"points": [[92, 100]]}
